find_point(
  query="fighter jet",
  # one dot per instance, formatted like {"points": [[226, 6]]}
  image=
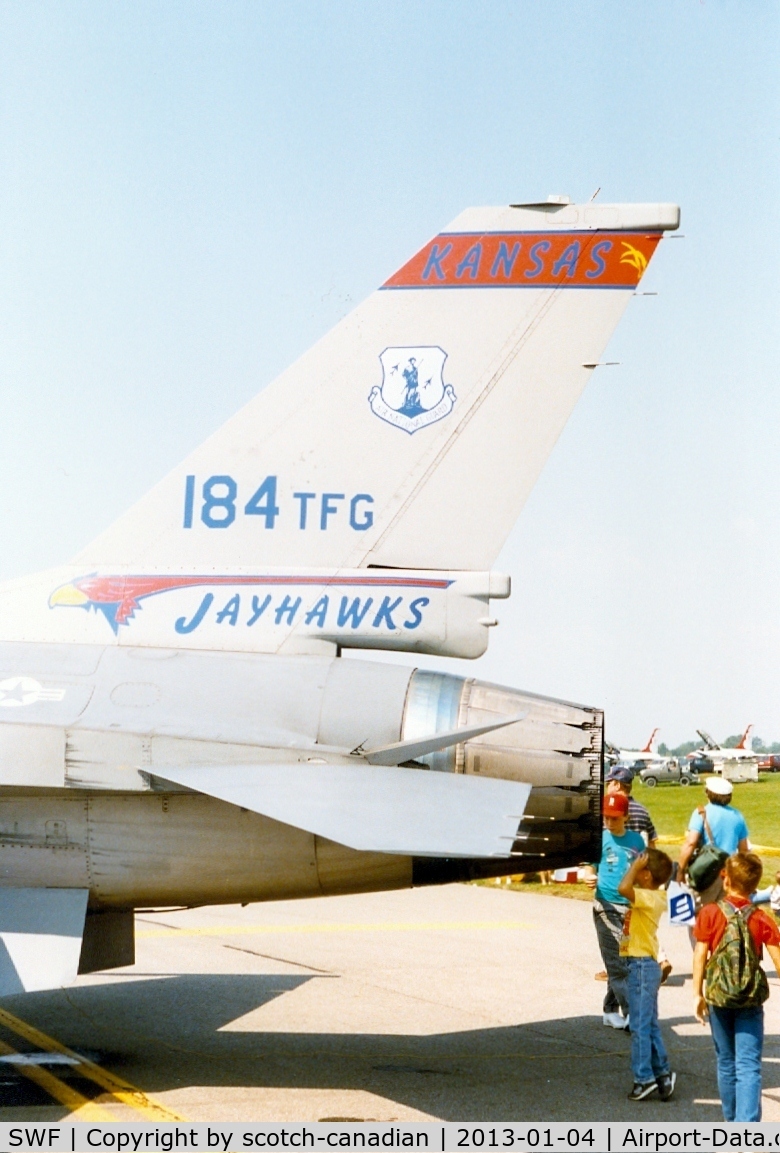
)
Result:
{"points": [[179, 725], [740, 751], [737, 764], [645, 755]]}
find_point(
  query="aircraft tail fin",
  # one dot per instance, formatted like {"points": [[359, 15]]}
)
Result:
{"points": [[650, 746], [410, 435], [743, 743]]}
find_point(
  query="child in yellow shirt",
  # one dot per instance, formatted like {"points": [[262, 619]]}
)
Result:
{"points": [[642, 887]]}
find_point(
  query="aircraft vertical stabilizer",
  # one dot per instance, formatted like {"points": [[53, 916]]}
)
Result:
{"points": [[406, 441], [413, 432]]}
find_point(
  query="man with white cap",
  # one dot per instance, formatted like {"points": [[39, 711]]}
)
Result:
{"points": [[717, 821]]}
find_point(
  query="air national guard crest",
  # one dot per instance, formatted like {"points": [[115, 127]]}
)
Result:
{"points": [[412, 393]]}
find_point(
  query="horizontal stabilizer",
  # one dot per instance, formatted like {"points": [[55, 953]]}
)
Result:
{"points": [[40, 938], [401, 751], [371, 807]]}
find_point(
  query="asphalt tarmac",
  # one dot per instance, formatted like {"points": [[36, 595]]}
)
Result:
{"points": [[461, 1003]]}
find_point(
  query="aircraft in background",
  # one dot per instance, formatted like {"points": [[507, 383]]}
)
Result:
{"points": [[649, 758], [737, 764], [178, 724], [642, 757], [739, 752]]}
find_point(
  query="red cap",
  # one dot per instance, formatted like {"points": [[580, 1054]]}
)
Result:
{"points": [[615, 805]]}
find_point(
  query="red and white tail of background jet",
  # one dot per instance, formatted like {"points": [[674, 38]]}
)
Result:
{"points": [[743, 743], [650, 746], [645, 755]]}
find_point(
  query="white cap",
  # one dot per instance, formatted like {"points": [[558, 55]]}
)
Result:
{"points": [[719, 786]]}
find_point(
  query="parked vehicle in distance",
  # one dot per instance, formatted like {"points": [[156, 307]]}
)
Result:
{"points": [[669, 771], [769, 763]]}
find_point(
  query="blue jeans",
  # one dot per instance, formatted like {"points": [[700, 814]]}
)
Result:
{"points": [[739, 1038], [608, 919], [648, 1055]]}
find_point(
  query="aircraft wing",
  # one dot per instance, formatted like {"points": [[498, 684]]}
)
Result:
{"points": [[377, 808]]}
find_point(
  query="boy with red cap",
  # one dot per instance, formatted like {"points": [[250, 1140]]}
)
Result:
{"points": [[619, 847]]}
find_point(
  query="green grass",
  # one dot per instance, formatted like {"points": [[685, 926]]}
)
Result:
{"points": [[671, 806]]}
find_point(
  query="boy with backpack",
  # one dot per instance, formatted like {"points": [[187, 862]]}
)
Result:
{"points": [[643, 886], [730, 936]]}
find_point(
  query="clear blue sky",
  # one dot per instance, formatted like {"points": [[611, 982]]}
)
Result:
{"points": [[191, 193]]}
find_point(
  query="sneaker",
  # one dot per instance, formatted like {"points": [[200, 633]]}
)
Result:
{"points": [[666, 971], [642, 1089], [666, 1085], [615, 1021]]}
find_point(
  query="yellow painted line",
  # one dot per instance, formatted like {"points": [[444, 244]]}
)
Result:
{"points": [[120, 1089], [772, 850], [336, 927], [79, 1106]]}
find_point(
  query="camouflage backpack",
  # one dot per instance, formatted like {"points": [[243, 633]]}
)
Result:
{"points": [[735, 979]]}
